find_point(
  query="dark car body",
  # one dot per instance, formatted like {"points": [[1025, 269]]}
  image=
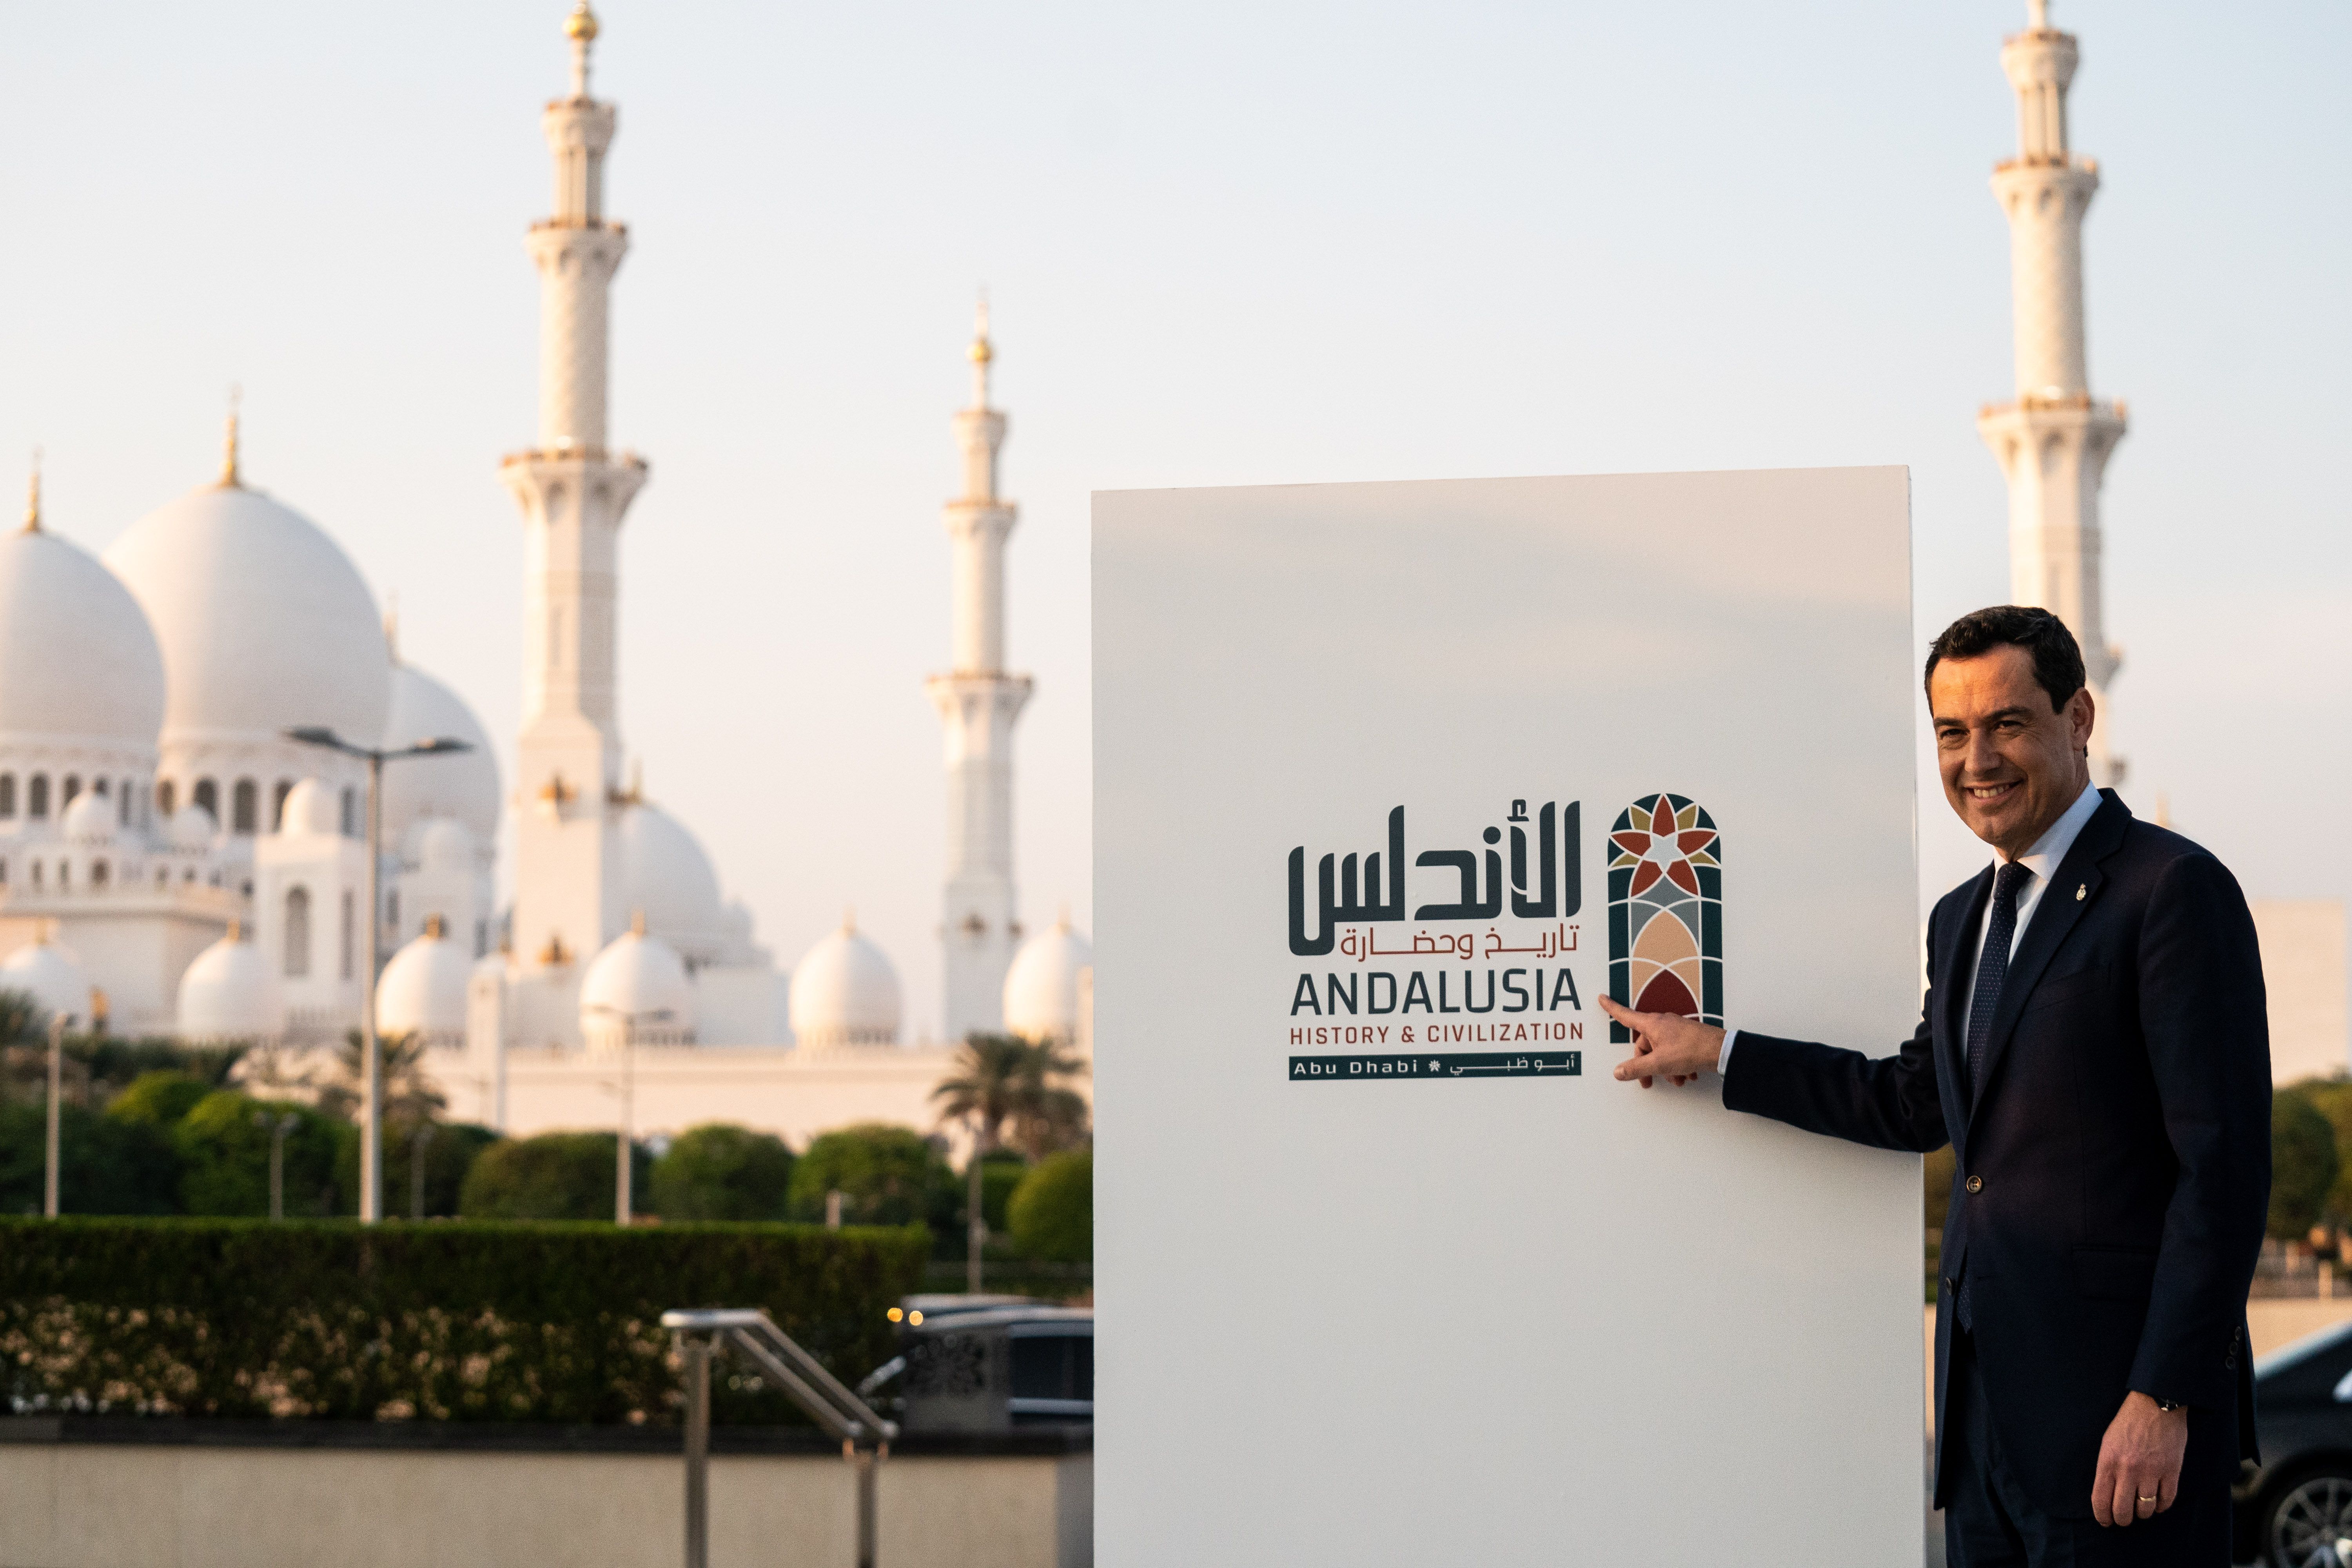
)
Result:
{"points": [[2295, 1507], [988, 1364]]}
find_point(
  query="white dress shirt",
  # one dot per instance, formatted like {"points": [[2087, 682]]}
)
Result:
{"points": [[2042, 860]]}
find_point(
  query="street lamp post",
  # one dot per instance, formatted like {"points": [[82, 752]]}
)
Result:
{"points": [[50, 1160], [277, 1128], [419, 1143], [371, 1049], [623, 1205]]}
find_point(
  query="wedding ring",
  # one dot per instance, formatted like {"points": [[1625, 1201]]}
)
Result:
{"points": [[2147, 1500]]}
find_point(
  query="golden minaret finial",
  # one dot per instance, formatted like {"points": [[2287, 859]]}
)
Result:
{"points": [[230, 478], [983, 352], [580, 28], [32, 497], [392, 625]]}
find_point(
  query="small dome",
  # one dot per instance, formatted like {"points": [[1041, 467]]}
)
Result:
{"points": [[665, 875], [845, 993], [462, 784], [78, 659], [1041, 988], [313, 810], [438, 844], [192, 827], [423, 990], [88, 820], [53, 977], [230, 992], [634, 977], [263, 621]]}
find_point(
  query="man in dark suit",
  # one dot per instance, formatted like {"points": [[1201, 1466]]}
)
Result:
{"points": [[2093, 1046]]}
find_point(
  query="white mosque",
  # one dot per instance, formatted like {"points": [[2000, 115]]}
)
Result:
{"points": [[165, 847], [166, 852]]}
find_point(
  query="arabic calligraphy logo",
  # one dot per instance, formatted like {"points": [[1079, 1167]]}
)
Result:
{"points": [[1665, 911], [1557, 892]]}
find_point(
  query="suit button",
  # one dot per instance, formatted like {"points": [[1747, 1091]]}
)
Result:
{"points": [[1976, 1184], [1950, 1283]]}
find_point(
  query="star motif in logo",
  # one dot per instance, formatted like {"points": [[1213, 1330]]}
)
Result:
{"points": [[1664, 847]]}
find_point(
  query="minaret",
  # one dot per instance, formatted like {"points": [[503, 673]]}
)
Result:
{"points": [[573, 491], [978, 703], [2053, 443]]}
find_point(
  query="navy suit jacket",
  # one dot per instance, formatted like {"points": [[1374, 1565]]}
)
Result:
{"points": [[2112, 1173]]}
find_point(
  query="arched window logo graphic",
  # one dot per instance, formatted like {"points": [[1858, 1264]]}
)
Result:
{"points": [[1665, 911]]}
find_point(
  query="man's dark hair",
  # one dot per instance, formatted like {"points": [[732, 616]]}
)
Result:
{"points": [[2057, 657]]}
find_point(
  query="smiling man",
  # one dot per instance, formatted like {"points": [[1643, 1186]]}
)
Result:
{"points": [[2093, 1046]]}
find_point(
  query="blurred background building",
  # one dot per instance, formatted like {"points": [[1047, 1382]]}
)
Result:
{"points": [[209, 874]]}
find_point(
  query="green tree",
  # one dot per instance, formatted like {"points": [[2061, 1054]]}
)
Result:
{"points": [[886, 1174], [2303, 1162], [223, 1149], [556, 1175], [1053, 1210], [160, 1098], [720, 1171], [1000, 1175], [2332, 1096], [104, 1165]]}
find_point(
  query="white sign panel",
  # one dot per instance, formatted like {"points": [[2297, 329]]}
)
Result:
{"points": [[1392, 782]]}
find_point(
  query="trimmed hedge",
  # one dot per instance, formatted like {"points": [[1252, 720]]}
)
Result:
{"points": [[445, 1322]]}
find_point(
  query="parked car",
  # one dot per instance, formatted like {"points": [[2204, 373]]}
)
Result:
{"points": [[987, 1364], [2294, 1509]]}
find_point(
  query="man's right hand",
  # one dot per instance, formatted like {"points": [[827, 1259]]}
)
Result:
{"points": [[1666, 1044]]}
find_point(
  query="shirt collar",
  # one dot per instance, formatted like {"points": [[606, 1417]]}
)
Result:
{"points": [[2050, 849]]}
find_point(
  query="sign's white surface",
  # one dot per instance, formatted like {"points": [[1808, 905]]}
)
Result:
{"points": [[1375, 1296]]}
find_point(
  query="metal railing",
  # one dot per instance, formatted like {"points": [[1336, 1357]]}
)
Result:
{"points": [[865, 1436]]}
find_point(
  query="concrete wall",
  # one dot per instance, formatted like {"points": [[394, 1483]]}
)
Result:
{"points": [[121, 1505]]}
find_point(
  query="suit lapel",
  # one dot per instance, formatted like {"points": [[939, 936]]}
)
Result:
{"points": [[1955, 975], [2071, 887]]}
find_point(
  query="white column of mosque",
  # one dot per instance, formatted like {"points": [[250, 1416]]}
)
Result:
{"points": [[978, 703], [573, 492], [2053, 441]]}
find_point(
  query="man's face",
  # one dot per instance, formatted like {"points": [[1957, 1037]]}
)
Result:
{"points": [[2011, 765]]}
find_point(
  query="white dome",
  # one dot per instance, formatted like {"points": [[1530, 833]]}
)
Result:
{"points": [[229, 993], [52, 976], [462, 784], [88, 820], [845, 993], [665, 877], [263, 621], [192, 827], [440, 844], [78, 659], [312, 809], [635, 975], [423, 990], [1040, 989]]}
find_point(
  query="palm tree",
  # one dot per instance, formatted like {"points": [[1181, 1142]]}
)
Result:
{"points": [[1000, 1080], [409, 1093], [1047, 1115]]}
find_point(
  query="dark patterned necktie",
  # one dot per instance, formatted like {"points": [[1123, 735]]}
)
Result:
{"points": [[1992, 969]]}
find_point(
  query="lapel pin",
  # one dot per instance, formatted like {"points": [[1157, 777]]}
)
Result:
{"points": [[2082, 892]]}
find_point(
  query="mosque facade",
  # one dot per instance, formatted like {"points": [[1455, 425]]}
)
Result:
{"points": [[169, 849]]}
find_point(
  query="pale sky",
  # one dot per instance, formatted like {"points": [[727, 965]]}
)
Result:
{"points": [[1226, 244]]}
